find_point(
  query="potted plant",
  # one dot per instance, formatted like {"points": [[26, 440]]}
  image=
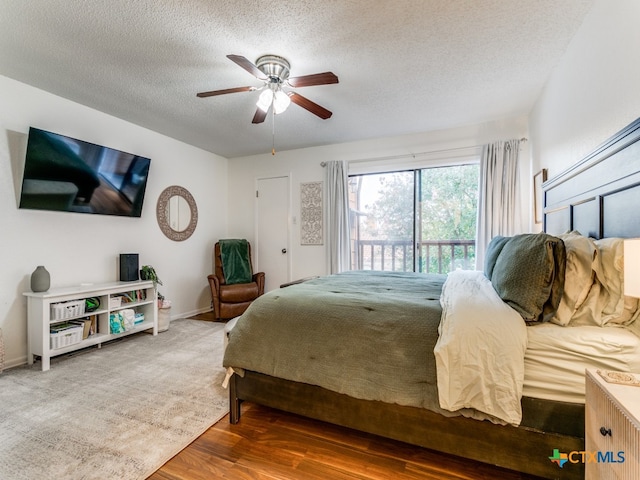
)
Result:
{"points": [[147, 272]]}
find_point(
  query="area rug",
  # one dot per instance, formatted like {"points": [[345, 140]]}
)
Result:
{"points": [[118, 412]]}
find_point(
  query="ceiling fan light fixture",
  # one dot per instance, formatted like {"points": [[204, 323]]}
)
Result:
{"points": [[274, 66], [265, 99], [273, 72], [281, 102]]}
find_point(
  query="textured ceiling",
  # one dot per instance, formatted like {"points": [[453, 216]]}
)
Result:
{"points": [[405, 66]]}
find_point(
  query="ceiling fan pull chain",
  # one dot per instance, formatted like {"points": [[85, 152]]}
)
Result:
{"points": [[273, 132]]}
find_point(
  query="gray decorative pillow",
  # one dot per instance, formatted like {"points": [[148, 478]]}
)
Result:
{"points": [[491, 255], [529, 275]]}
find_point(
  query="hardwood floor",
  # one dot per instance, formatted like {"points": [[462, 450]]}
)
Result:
{"points": [[269, 444], [206, 316]]}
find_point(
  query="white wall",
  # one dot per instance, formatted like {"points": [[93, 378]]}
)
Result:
{"points": [[304, 166], [593, 92], [78, 248]]}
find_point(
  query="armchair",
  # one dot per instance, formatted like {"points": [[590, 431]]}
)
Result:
{"points": [[231, 300]]}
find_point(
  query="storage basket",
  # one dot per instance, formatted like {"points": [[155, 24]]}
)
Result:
{"points": [[64, 310], [66, 337], [115, 302]]}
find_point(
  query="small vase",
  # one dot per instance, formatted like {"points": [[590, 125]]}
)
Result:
{"points": [[40, 279]]}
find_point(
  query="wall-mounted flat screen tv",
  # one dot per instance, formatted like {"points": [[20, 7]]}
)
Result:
{"points": [[65, 174]]}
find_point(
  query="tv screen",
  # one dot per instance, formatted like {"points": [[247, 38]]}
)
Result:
{"points": [[65, 174]]}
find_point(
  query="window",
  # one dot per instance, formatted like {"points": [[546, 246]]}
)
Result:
{"points": [[420, 220]]}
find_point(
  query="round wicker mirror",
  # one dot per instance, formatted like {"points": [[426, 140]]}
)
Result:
{"points": [[177, 213]]}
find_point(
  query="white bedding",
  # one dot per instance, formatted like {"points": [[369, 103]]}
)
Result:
{"points": [[556, 358], [480, 350], [486, 357], [545, 361]]}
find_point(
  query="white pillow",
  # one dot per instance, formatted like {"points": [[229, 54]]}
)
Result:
{"points": [[582, 261], [618, 308]]}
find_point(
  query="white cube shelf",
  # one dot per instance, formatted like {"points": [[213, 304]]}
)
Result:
{"points": [[48, 309]]}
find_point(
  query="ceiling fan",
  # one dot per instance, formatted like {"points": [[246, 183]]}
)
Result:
{"points": [[274, 72]]}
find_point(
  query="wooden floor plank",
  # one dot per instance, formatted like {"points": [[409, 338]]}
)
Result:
{"points": [[271, 445]]}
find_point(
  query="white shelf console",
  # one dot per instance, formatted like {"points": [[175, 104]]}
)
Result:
{"points": [[39, 318], [612, 424]]}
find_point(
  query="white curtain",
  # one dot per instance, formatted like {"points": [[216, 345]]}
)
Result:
{"points": [[499, 202], [338, 250]]}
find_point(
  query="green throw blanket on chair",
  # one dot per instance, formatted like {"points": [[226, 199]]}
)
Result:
{"points": [[235, 261]]}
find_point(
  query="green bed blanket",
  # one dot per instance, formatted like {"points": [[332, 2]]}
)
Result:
{"points": [[369, 335]]}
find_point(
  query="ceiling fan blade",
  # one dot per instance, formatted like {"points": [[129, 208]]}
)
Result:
{"points": [[225, 91], [315, 79], [248, 66], [259, 116], [307, 104]]}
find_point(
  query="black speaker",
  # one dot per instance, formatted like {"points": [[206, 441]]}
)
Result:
{"points": [[129, 267]]}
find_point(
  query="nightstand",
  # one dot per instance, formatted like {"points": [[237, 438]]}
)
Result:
{"points": [[612, 429]]}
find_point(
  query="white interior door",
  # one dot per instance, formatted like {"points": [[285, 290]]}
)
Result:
{"points": [[272, 214]]}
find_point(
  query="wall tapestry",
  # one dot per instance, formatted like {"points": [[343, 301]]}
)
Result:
{"points": [[311, 213]]}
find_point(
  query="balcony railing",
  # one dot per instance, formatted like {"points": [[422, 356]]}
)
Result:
{"points": [[434, 256]]}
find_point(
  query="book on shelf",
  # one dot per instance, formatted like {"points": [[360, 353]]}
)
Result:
{"points": [[94, 325], [132, 296], [88, 325], [61, 327]]}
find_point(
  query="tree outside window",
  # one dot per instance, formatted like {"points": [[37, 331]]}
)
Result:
{"points": [[427, 214]]}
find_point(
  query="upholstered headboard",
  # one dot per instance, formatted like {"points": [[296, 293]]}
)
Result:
{"points": [[600, 195]]}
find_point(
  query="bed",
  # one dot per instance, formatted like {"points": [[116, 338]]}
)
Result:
{"points": [[596, 197]]}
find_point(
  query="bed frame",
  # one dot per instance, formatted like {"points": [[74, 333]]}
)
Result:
{"points": [[598, 197]]}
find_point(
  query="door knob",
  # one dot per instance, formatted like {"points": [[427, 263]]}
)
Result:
{"points": [[284, 250]]}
